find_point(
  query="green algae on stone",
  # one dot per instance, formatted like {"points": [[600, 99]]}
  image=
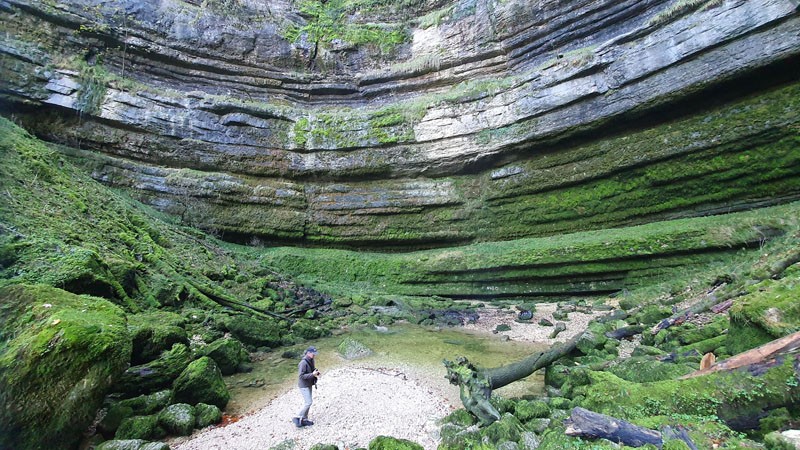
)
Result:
{"points": [[206, 415], [155, 332], [201, 382], [155, 375], [392, 443], [177, 419], [59, 353], [228, 353], [140, 427], [131, 444]]}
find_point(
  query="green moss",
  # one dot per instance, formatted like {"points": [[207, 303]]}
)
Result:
{"points": [[178, 419], [229, 354], [155, 375], [140, 427], [254, 331], [147, 404], [155, 332], [207, 415], [201, 382], [641, 369], [525, 410], [59, 353], [390, 443]]}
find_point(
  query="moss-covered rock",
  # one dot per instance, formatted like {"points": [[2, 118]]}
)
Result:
{"points": [[178, 419], [390, 443], [155, 375], [201, 382], [525, 410], [59, 353], [324, 447], [206, 415], [228, 353], [115, 414], [148, 404], [140, 427], [507, 429], [351, 348], [155, 332], [131, 444], [643, 369], [769, 311], [309, 329], [258, 332]]}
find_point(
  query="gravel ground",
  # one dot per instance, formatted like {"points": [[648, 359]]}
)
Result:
{"points": [[356, 403], [352, 406]]}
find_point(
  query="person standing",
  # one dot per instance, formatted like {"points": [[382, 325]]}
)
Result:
{"points": [[308, 375]]}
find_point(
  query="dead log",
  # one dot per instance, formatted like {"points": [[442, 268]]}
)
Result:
{"points": [[621, 333], [668, 433], [722, 307], [758, 355], [476, 385], [681, 316], [588, 424]]}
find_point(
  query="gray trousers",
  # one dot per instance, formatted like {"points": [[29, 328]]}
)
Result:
{"points": [[303, 414]]}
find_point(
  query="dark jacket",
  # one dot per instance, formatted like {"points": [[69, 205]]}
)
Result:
{"points": [[306, 373]]}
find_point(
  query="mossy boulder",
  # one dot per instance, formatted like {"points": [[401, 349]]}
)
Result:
{"points": [[351, 348], [507, 429], [769, 311], [155, 375], [201, 382], [324, 447], [178, 419], [131, 444], [256, 332], [390, 443], [155, 332], [228, 353], [525, 410], [309, 329], [140, 427], [148, 404], [59, 354], [206, 415], [644, 369]]}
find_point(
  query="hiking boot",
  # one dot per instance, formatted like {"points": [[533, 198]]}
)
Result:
{"points": [[306, 423], [297, 422]]}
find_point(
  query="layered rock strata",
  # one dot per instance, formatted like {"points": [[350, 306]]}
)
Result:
{"points": [[496, 121]]}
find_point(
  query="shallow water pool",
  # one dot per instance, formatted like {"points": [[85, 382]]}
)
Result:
{"points": [[404, 346]]}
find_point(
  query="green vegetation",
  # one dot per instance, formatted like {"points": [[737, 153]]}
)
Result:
{"points": [[59, 354], [328, 21]]}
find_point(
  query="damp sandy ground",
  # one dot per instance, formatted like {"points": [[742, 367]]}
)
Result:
{"points": [[362, 400]]}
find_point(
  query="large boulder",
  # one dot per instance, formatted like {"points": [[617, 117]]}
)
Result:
{"points": [[201, 382], [155, 375], [155, 332], [206, 415], [253, 331], [59, 354], [229, 354], [140, 427], [177, 419]]}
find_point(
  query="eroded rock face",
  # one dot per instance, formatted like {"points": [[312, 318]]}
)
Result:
{"points": [[452, 122]]}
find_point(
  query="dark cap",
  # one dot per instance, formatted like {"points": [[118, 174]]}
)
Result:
{"points": [[311, 350]]}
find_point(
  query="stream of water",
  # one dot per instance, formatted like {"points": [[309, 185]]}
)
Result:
{"points": [[409, 347]]}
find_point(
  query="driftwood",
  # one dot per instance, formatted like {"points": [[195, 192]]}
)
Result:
{"points": [[588, 424], [476, 384], [682, 316], [621, 333], [758, 355]]}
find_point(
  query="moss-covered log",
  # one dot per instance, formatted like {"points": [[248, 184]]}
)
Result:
{"points": [[476, 385]]}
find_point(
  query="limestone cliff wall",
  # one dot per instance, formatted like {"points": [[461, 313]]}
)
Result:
{"points": [[421, 124]]}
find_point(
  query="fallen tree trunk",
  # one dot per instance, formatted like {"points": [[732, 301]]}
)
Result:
{"points": [[588, 424], [476, 384], [756, 356]]}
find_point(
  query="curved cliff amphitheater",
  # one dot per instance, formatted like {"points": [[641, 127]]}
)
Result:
{"points": [[410, 125], [278, 171]]}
